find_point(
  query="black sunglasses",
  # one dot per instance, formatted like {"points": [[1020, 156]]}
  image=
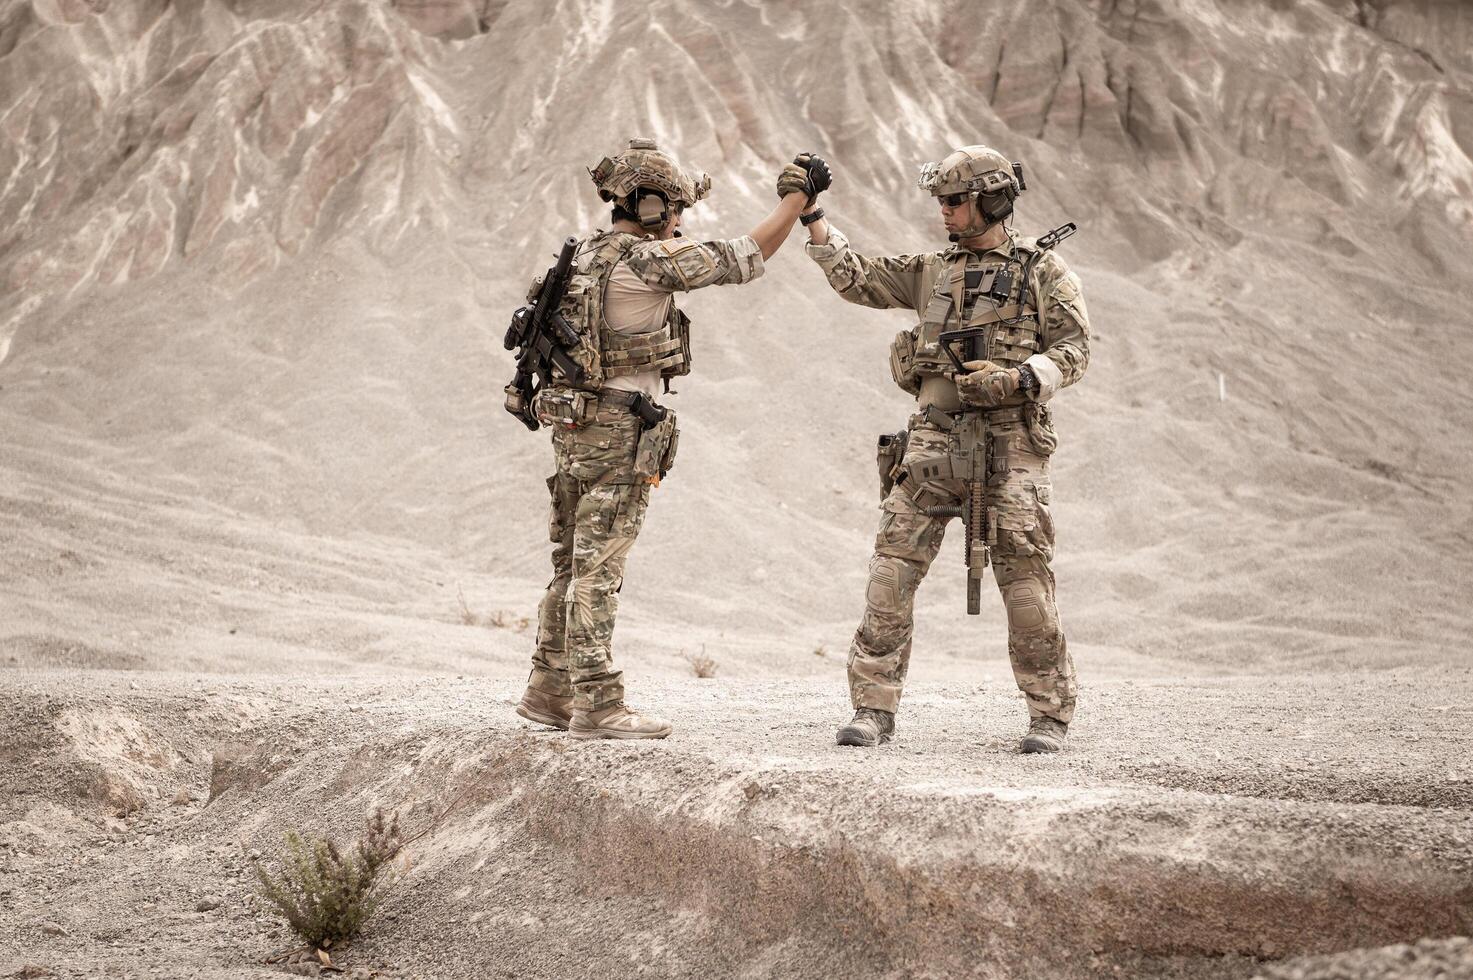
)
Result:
{"points": [[953, 200]]}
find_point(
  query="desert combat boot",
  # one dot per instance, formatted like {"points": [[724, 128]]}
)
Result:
{"points": [[1045, 734], [552, 710], [616, 721], [870, 726]]}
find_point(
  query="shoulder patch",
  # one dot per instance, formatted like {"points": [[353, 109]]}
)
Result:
{"points": [[693, 263]]}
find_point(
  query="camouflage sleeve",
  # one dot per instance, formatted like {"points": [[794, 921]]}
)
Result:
{"points": [[884, 283], [682, 264], [1065, 353]]}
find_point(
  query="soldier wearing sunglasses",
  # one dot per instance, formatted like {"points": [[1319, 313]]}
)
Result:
{"points": [[979, 443]]}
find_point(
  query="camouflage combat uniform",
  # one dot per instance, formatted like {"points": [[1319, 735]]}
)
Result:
{"points": [[1015, 440], [598, 501]]}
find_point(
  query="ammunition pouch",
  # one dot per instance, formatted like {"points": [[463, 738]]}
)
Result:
{"points": [[680, 330], [888, 456], [903, 362], [928, 480], [516, 404], [655, 453], [565, 407]]}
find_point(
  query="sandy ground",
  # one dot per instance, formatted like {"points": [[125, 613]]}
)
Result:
{"points": [[1194, 828]]}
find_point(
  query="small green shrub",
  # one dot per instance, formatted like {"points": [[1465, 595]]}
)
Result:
{"points": [[326, 892]]}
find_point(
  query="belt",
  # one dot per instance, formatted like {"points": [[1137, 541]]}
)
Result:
{"points": [[650, 413], [624, 399], [946, 421]]}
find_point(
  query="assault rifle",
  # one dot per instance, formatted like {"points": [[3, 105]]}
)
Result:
{"points": [[542, 338], [973, 512]]}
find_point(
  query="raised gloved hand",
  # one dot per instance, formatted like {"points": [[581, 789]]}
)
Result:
{"points": [[986, 385], [792, 180], [819, 177]]}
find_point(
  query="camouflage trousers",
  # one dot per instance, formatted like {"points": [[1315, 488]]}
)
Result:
{"points": [[597, 511], [1021, 547]]}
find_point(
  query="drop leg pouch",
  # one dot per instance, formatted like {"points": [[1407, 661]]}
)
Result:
{"points": [[656, 451]]}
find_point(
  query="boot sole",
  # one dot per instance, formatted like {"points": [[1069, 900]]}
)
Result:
{"points": [[588, 736], [850, 736], [551, 721]]}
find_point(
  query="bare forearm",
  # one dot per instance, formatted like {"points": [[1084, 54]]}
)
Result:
{"points": [[818, 231], [772, 230]]}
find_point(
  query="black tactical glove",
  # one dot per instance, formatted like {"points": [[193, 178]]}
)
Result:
{"points": [[819, 177]]}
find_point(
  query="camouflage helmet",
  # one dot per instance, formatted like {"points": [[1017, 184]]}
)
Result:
{"points": [[972, 169], [992, 182], [645, 165]]}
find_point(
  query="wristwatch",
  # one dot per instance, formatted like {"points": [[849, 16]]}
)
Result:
{"points": [[1027, 380], [810, 217]]}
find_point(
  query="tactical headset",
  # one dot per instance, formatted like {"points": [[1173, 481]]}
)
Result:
{"points": [[649, 207], [998, 192]]}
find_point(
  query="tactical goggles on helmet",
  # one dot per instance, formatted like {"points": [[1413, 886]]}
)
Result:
{"points": [[970, 175]]}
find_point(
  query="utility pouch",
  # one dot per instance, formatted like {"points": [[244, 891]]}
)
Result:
{"points": [[888, 454], [655, 453], [679, 330], [1039, 422], [565, 408], [903, 362]]}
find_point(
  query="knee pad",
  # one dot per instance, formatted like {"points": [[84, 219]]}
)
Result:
{"points": [[891, 583], [1030, 607]]}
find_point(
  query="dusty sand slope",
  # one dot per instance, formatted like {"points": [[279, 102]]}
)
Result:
{"points": [[255, 262]]}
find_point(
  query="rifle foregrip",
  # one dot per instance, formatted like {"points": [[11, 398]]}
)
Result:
{"points": [[567, 337]]}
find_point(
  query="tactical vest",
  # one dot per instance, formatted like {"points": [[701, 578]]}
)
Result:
{"points": [[606, 353], [1012, 330]]}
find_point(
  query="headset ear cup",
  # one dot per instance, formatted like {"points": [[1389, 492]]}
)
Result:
{"points": [[652, 211], [995, 207]]}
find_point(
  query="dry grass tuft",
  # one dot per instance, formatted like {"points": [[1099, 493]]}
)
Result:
{"points": [[820, 651], [503, 620], [700, 664], [500, 619], [326, 892]]}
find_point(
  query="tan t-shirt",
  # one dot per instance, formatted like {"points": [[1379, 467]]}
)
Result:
{"points": [[633, 306], [637, 296]]}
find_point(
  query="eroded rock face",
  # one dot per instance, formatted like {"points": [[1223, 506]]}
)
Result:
{"points": [[451, 18], [143, 134]]}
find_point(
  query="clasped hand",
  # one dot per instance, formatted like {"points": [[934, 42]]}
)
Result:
{"points": [[808, 175], [986, 385]]}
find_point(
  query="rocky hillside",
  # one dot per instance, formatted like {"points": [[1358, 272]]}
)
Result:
{"points": [[262, 254]]}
